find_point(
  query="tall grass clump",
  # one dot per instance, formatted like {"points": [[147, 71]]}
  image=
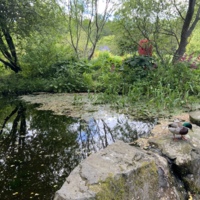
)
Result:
{"points": [[168, 87], [142, 80]]}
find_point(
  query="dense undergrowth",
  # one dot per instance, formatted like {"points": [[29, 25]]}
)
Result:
{"points": [[119, 81]]}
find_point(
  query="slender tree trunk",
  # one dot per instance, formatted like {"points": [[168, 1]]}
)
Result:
{"points": [[8, 50], [89, 28], [187, 29]]}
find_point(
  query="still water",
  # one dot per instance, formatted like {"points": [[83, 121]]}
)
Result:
{"points": [[38, 149]]}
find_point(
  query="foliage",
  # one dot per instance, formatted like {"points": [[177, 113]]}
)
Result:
{"points": [[158, 21], [194, 42], [136, 68], [104, 74], [65, 76], [18, 18], [190, 60], [164, 88], [168, 87], [109, 42], [42, 52], [16, 84], [89, 28], [69, 77]]}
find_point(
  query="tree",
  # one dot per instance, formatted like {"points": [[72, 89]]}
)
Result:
{"points": [[13, 24], [143, 19], [168, 24], [189, 24], [193, 45], [85, 23], [18, 18]]}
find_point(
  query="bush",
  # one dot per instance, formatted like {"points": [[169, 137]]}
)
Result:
{"points": [[103, 74], [190, 61], [168, 87], [69, 77], [137, 68], [16, 84]]}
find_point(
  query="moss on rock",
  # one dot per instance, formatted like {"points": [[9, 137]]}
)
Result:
{"points": [[111, 188], [144, 180]]}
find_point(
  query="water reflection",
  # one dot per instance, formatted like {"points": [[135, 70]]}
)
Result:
{"points": [[37, 153], [39, 149], [97, 134]]}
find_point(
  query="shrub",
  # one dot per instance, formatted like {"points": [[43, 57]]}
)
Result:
{"points": [[137, 67], [16, 84], [69, 76], [190, 61], [103, 73], [171, 86]]}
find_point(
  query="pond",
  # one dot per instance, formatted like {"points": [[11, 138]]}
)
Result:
{"points": [[39, 149]]}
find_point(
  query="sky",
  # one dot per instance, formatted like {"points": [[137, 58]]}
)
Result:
{"points": [[101, 4]]}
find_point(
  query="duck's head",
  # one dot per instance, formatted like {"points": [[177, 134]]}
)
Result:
{"points": [[188, 125]]}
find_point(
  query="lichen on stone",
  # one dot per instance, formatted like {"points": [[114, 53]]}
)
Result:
{"points": [[111, 188]]}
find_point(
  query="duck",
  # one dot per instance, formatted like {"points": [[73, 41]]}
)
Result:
{"points": [[177, 128]]}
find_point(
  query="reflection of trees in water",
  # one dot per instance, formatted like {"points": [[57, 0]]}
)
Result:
{"points": [[15, 135], [97, 134], [94, 136], [35, 154], [9, 149], [39, 150]]}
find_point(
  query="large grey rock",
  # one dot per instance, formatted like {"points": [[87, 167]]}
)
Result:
{"points": [[184, 156], [121, 172], [195, 117]]}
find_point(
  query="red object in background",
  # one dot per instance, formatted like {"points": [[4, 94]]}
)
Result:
{"points": [[145, 48]]}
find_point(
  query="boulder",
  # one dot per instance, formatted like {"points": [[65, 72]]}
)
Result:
{"points": [[158, 168], [184, 157], [121, 171], [195, 117]]}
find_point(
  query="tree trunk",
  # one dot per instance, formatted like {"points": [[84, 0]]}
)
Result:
{"points": [[187, 29], [8, 50]]}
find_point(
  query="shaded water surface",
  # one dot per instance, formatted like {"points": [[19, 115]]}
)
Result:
{"points": [[38, 150]]}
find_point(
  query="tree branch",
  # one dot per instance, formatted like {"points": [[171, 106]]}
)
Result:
{"points": [[179, 12], [10, 44], [12, 66], [7, 118]]}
